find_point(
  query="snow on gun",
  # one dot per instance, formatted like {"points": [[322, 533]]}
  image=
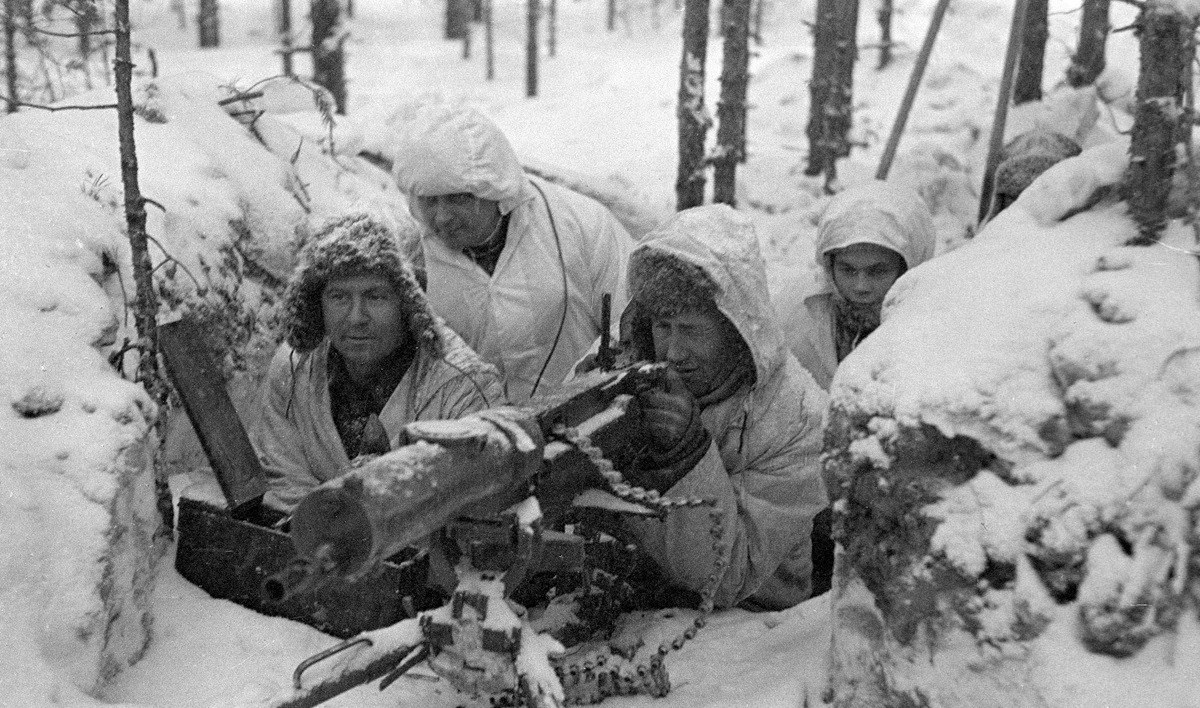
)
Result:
{"points": [[465, 484]]}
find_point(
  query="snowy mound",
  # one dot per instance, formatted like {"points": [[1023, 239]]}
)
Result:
{"points": [[1015, 452]]}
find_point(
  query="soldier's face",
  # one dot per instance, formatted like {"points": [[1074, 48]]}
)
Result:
{"points": [[863, 272], [701, 344], [364, 319], [460, 220]]}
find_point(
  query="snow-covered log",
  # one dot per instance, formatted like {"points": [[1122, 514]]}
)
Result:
{"points": [[1016, 460]]}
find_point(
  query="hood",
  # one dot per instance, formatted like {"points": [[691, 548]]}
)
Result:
{"points": [[882, 213], [454, 150], [353, 244], [721, 243]]}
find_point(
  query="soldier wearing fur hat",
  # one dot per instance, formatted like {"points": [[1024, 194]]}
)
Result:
{"points": [[739, 421], [516, 265], [363, 356]]}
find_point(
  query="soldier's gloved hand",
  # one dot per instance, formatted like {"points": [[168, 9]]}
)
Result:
{"points": [[678, 439]]}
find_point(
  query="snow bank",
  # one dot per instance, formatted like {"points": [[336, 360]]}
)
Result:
{"points": [[1036, 398]]}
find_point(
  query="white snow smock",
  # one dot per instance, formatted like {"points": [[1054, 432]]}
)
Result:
{"points": [[557, 240], [882, 213], [295, 436], [763, 466]]}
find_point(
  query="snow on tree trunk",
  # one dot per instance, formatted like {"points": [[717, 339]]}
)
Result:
{"points": [[458, 16], [10, 55], [731, 108], [1015, 462], [328, 50], [1033, 53], [209, 22], [693, 118], [531, 48], [1162, 128], [831, 87], [884, 16], [1088, 61]]}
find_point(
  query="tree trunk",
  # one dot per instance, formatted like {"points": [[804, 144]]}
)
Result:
{"points": [[477, 10], [285, 35], [328, 50], [87, 17], [552, 27], [145, 309], [350, 9], [208, 20], [1161, 126], [831, 88], [693, 119], [489, 39], [885, 33], [10, 55], [612, 15], [759, 11], [457, 18], [1088, 62], [466, 41], [731, 108], [531, 49], [1033, 53]]}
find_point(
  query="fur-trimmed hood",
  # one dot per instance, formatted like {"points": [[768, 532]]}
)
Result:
{"points": [[357, 243], [455, 150], [711, 250]]}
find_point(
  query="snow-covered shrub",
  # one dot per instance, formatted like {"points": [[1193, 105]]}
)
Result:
{"points": [[1016, 455]]}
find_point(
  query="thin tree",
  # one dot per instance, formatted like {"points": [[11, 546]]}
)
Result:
{"points": [[10, 56], [1033, 53], [146, 305], [87, 16], [693, 118], [612, 15], [832, 86], [531, 49], [1162, 127], [759, 11], [1088, 61], [329, 50], [457, 19], [884, 15], [208, 20], [731, 107], [285, 35], [551, 27], [1000, 115], [489, 40]]}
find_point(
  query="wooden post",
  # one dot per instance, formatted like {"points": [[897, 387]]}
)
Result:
{"points": [[1028, 85], [693, 118], [531, 49], [731, 108], [910, 93], [1161, 128], [1088, 61], [1000, 116], [10, 55]]}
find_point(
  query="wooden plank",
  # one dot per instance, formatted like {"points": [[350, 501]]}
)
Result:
{"points": [[202, 388]]}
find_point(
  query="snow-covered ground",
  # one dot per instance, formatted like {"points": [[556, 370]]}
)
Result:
{"points": [[230, 207]]}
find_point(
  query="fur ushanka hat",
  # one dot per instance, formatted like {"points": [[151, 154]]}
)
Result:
{"points": [[352, 245]]}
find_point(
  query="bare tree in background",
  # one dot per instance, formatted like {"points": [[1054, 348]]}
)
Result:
{"points": [[489, 43], [1088, 61], [209, 21], [285, 35], [759, 12], [552, 27], [328, 50], [731, 107], [1030, 67], [458, 19], [10, 55], [612, 15], [832, 86], [693, 118], [531, 48], [884, 15], [1162, 126]]}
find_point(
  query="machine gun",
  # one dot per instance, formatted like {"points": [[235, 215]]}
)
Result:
{"points": [[467, 486]]}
